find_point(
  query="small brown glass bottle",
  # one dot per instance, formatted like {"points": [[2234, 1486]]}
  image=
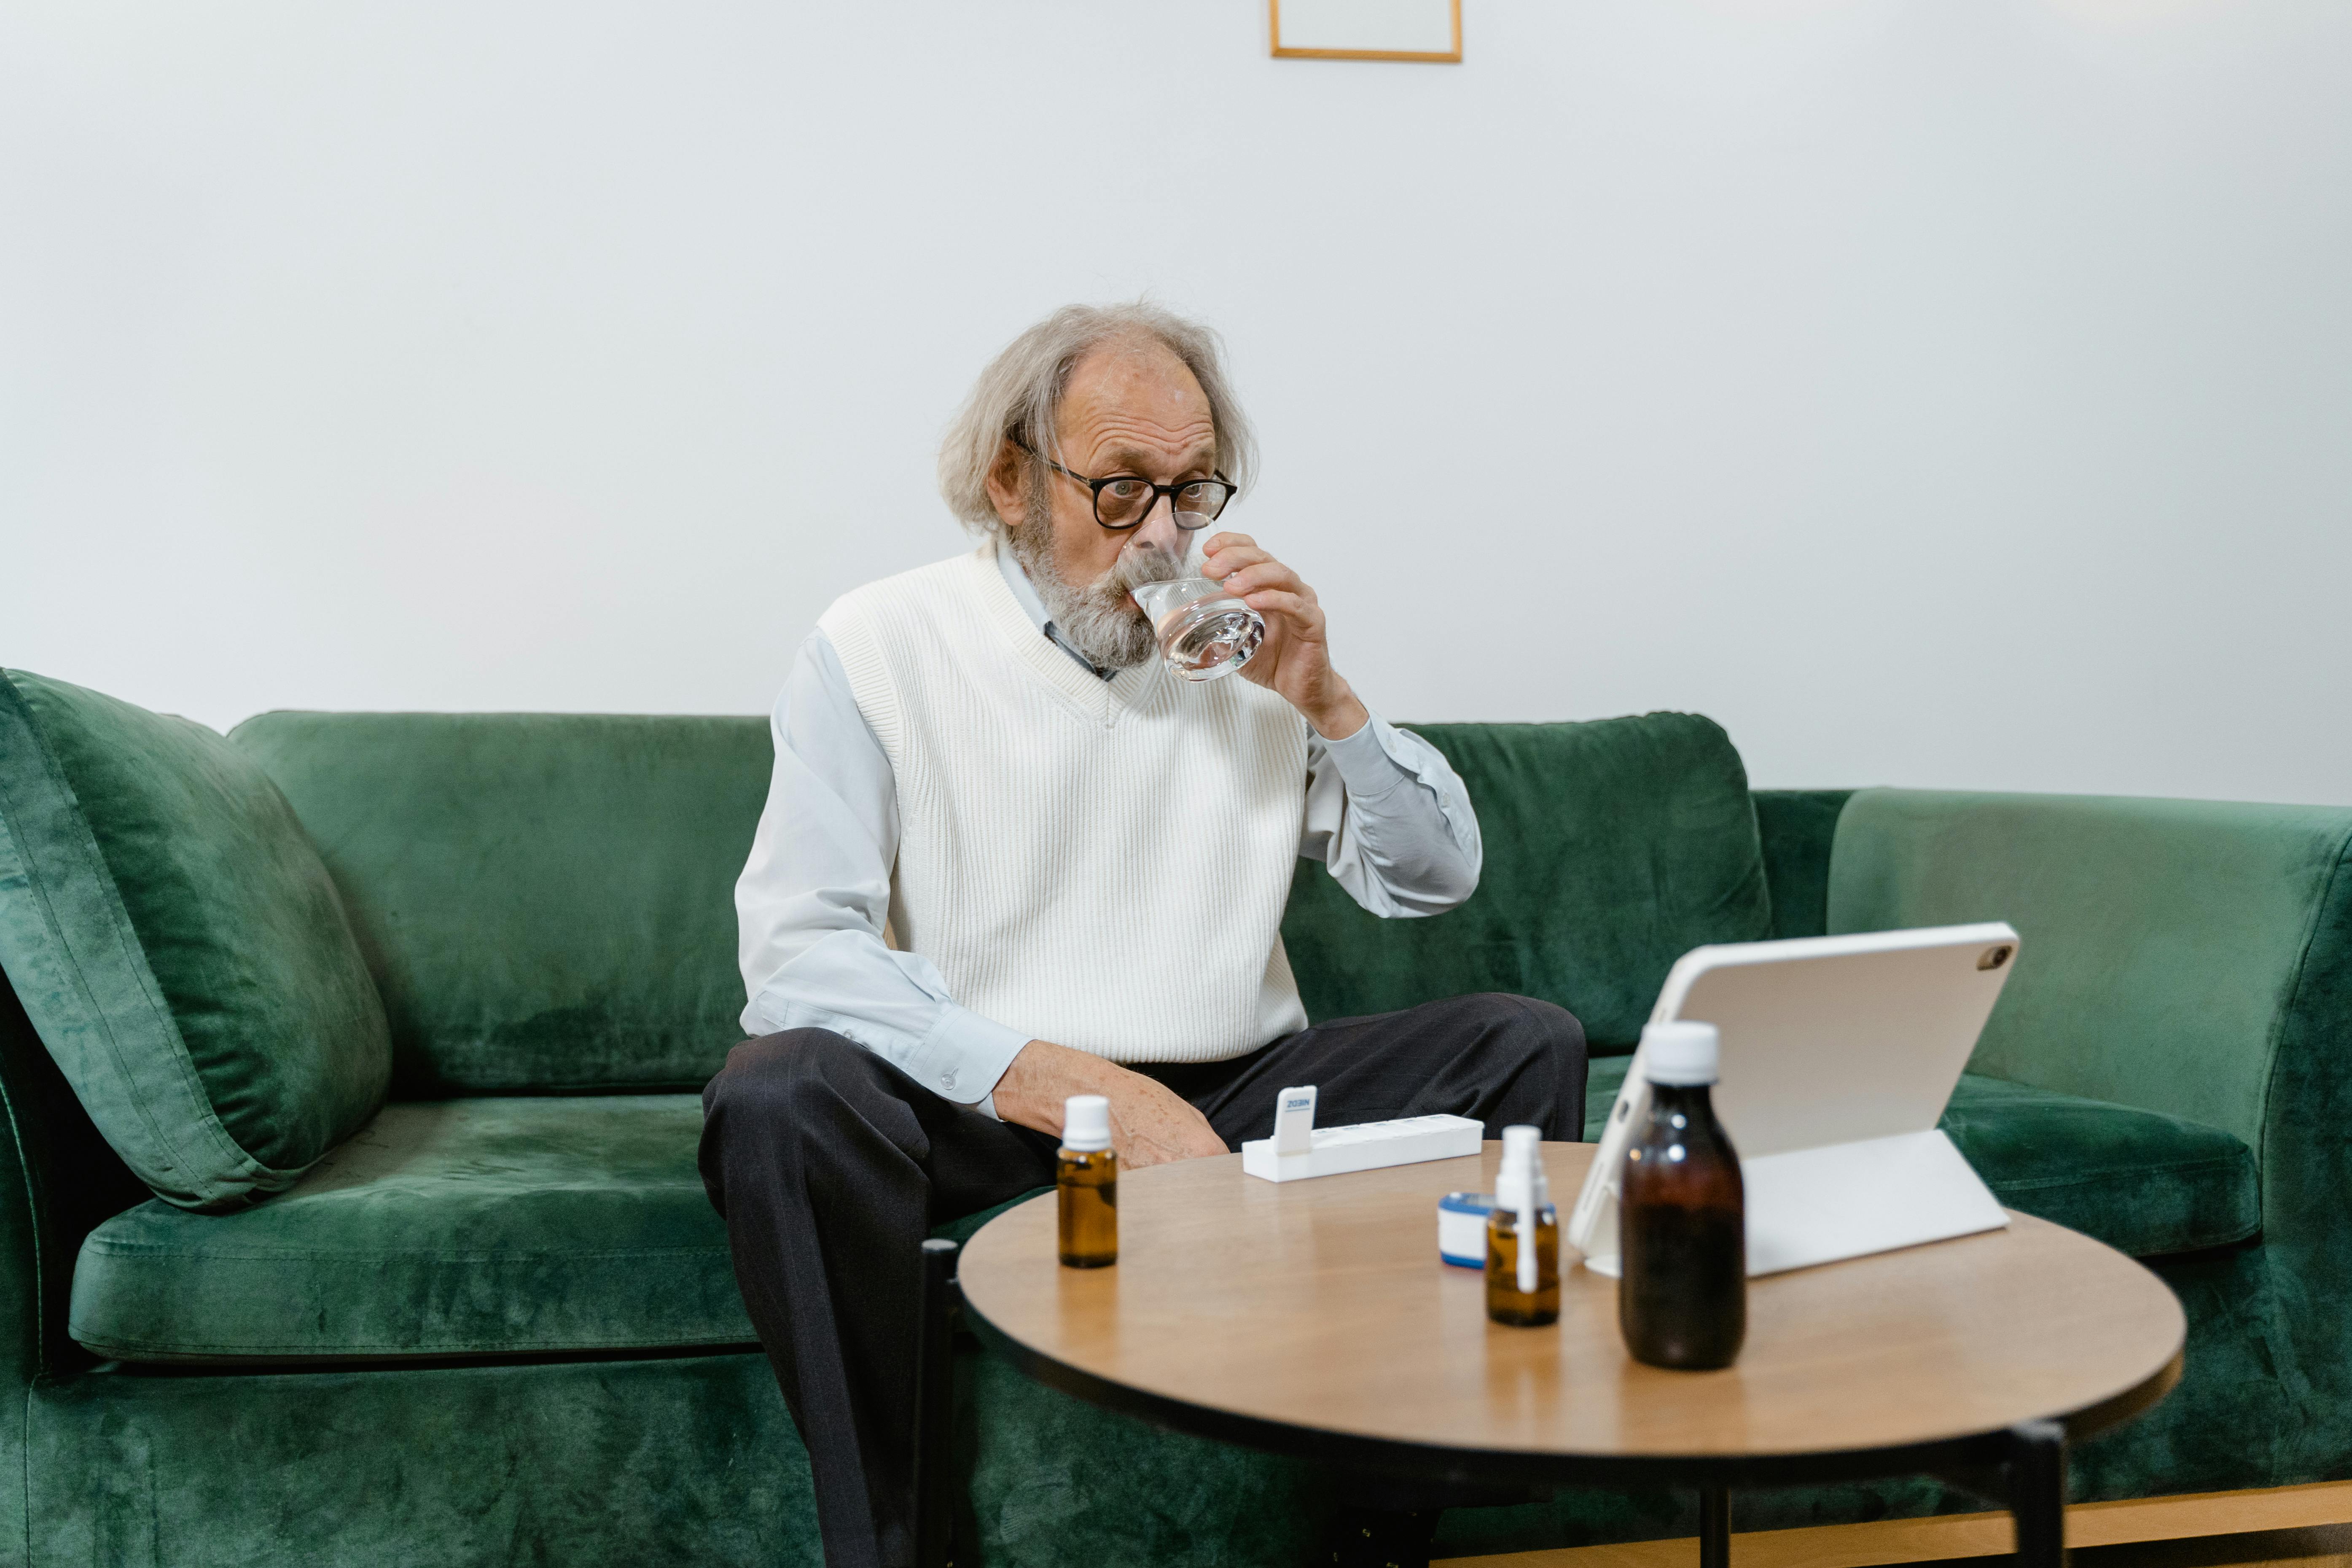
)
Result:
{"points": [[1682, 1296], [1086, 1177], [1523, 1238]]}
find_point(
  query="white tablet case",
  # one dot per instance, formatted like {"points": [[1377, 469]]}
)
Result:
{"points": [[1839, 1054]]}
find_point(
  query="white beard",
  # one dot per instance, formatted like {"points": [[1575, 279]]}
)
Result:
{"points": [[1099, 617]]}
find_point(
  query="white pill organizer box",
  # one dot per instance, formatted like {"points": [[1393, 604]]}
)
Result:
{"points": [[1300, 1149]]}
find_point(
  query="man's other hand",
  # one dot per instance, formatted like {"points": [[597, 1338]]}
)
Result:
{"points": [[1149, 1124]]}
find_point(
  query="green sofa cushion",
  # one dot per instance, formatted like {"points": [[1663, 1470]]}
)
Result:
{"points": [[547, 901], [490, 1227], [2144, 1183], [1612, 848], [2164, 939], [446, 1227], [179, 947]]}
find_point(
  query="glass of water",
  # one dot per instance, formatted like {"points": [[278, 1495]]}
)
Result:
{"points": [[1204, 631]]}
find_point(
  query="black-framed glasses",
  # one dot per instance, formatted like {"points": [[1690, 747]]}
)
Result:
{"points": [[1123, 500]]}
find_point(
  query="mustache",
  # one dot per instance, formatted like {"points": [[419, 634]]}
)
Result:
{"points": [[1132, 570]]}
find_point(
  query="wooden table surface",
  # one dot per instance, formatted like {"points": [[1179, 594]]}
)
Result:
{"points": [[1322, 1304]]}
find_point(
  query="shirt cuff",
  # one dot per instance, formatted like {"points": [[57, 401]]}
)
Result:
{"points": [[963, 1056], [1367, 765]]}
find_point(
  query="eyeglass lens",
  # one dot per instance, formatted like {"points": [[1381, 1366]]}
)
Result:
{"points": [[1123, 501]]}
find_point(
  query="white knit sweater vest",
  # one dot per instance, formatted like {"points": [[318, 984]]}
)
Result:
{"points": [[1099, 863]]}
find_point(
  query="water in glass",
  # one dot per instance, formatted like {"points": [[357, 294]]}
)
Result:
{"points": [[1204, 631]]}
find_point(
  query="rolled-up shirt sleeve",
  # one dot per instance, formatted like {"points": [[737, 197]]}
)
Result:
{"points": [[815, 897], [1389, 819]]}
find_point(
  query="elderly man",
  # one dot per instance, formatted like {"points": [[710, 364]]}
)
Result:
{"points": [[1009, 857]]}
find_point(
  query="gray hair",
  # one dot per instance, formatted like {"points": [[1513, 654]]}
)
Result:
{"points": [[1019, 397]]}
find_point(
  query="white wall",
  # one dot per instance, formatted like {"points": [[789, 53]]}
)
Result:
{"points": [[1938, 392]]}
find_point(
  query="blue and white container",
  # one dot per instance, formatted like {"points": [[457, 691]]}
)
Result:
{"points": [[1462, 1229]]}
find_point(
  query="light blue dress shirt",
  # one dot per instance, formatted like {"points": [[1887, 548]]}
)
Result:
{"points": [[1385, 813]]}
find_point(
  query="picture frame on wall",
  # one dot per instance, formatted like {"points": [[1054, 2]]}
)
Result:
{"points": [[1367, 30]]}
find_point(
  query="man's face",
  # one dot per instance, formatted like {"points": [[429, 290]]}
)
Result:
{"points": [[1131, 407]]}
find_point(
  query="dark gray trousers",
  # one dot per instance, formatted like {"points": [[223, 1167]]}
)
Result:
{"points": [[831, 1166]]}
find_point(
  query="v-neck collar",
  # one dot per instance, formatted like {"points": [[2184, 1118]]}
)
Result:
{"points": [[1024, 593], [1099, 700]]}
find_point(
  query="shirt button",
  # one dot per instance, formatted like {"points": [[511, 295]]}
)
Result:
{"points": [[947, 1080]]}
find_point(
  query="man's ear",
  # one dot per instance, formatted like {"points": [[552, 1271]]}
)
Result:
{"points": [[1004, 487]]}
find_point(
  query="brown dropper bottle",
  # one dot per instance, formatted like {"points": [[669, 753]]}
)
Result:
{"points": [[1523, 1237], [1086, 1179], [1682, 1230]]}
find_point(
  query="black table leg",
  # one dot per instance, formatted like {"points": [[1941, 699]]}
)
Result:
{"points": [[935, 1408], [2037, 1492], [1713, 1527]]}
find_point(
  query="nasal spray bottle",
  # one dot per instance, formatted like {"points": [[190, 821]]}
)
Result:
{"points": [[1086, 1179], [1523, 1238]]}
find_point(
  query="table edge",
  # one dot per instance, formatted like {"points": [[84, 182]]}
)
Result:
{"points": [[1966, 1451]]}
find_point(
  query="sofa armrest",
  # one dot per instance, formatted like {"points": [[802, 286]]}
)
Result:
{"points": [[2167, 945], [2191, 957], [1797, 827], [21, 1294], [59, 1181]]}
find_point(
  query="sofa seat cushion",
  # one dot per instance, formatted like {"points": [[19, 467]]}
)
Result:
{"points": [[493, 1227], [2144, 1183]]}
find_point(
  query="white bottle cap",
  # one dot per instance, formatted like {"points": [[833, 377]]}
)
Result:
{"points": [[1680, 1053], [1522, 1182], [1523, 1188], [1086, 1122]]}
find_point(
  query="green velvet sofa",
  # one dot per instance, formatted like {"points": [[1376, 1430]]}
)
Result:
{"points": [[348, 1205]]}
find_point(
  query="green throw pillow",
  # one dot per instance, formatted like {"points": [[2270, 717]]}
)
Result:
{"points": [[177, 942]]}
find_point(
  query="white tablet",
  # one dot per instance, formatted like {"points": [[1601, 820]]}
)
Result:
{"points": [[1826, 1041]]}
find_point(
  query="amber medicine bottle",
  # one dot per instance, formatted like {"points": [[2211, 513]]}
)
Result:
{"points": [[1086, 1178], [1681, 1223], [1523, 1238]]}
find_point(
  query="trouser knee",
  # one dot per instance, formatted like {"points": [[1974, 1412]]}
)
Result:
{"points": [[777, 1096], [1550, 1028], [1541, 1045], [775, 1077], [1526, 1026]]}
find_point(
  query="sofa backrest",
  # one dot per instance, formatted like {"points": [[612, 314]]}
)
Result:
{"points": [[2170, 947], [547, 903], [546, 900], [1613, 847]]}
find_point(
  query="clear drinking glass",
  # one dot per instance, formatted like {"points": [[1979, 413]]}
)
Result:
{"points": [[1204, 632]]}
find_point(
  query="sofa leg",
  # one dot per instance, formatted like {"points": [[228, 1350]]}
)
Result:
{"points": [[2037, 1492], [935, 1409]]}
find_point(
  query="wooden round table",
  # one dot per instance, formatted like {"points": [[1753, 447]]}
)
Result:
{"points": [[1314, 1317]]}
